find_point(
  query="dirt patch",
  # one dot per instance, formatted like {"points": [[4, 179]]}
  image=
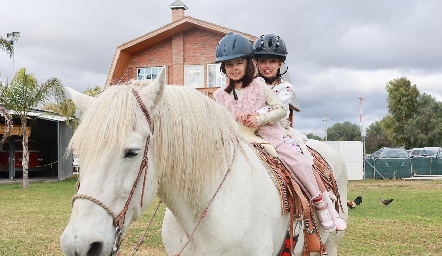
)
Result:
{"points": [[428, 185]]}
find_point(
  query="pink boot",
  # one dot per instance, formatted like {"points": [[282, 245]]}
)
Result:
{"points": [[337, 219], [326, 220]]}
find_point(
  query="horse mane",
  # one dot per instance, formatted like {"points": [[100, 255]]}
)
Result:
{"points": [[195, 135], [194, 138], [116, 111]]}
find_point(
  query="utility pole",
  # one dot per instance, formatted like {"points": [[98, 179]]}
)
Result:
{"points": [[362, 133], [360, 114], [13, 37], [326, 124]]}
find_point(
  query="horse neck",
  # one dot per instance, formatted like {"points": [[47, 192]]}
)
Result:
{"points": [[186, 211]]}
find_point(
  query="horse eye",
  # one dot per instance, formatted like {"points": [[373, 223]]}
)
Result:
{"points": [[130, 153]]}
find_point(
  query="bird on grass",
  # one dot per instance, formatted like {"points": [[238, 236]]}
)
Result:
{"points": [[354, 203], [386, 202]]}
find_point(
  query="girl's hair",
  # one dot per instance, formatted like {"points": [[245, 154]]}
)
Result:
{"points": [[246, 79]]}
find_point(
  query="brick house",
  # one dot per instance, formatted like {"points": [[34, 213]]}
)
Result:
{"points": [[185, 47]]}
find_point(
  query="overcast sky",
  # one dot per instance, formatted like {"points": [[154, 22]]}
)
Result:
{"points": [[338, 50]]}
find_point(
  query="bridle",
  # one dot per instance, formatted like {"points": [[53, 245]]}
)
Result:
{"points": [[118, 220]]}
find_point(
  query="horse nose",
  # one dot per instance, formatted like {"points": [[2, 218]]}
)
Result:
{"points": [[71, 245], [95, 249]]}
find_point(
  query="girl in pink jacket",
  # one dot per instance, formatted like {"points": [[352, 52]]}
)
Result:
{"points": [[244, 95]]}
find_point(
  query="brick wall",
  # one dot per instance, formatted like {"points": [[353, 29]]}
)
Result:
{"points": [[200, 47], [191, 47], [178, 59], [177, 14]]}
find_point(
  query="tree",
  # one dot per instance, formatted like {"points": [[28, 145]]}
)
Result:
{"points": [[425, 128], [313, 137], [402, 105], [6, 45], [345, 131], [376, 137], [66, 107], [24, 94], [94, 91]]}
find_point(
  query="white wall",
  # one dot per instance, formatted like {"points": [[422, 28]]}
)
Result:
{"points": [[353, 154]]}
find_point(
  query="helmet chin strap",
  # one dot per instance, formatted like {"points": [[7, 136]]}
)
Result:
{"points": [[286, 69], [235, 96], [271, 80]]}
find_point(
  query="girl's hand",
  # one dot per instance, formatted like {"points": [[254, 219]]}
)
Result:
{"points": [[251, 121], [242, 117]]}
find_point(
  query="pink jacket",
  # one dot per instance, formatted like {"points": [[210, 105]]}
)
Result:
{"points": [[251, 99]]}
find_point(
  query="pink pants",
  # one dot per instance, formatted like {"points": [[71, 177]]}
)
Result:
{"points": [[301, 169]]}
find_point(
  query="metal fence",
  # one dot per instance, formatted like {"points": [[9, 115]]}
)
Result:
{"points": [[402, 168]]}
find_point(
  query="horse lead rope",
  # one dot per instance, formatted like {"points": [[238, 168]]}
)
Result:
{"points": [[203, 214], [118, 221]]}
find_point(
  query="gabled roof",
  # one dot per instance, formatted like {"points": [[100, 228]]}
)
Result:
{"points": [[164, 33]]}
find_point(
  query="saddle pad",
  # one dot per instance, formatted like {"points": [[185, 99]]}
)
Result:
{"points": [[321, 166], [294, 202]]}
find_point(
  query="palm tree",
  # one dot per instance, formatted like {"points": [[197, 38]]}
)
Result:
{"points": [[23, 95], [6, 46], [94, 91], [66, 107], [8, 124]]}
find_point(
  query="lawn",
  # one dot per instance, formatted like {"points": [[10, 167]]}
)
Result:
{"points": [[33, 219]]}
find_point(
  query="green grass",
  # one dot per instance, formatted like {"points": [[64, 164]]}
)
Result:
{"points": [[410, 225], [33, 219]]}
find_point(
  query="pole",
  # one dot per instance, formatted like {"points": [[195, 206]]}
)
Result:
{"points": [[326, 125], [13, 58]]}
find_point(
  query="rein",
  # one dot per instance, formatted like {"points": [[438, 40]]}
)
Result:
{"points": [[118, 220]]}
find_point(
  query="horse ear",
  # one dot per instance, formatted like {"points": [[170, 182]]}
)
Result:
{"points": [[81, 101], [156, 88]]}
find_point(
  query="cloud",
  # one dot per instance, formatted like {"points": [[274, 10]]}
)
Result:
{"points": [[338, 50]]}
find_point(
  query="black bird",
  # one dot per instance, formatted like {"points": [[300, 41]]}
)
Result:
{"points": [[358, 200], [386, 202], [354, 203]]}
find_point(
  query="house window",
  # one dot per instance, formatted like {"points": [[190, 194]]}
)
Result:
{"points": [[214, 76], [148, 73], [194, 76]]}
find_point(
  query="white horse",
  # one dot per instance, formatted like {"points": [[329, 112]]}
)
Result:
{"points": [[190, 145]]}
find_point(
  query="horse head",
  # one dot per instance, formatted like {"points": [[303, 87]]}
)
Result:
{"points": [[117, 179]]}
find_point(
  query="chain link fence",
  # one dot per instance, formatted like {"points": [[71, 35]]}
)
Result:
{"points": [[402, 168]]}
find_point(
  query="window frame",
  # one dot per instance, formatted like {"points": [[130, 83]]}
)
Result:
{"points": [[220, 78], [152, 74], [191, 78]]}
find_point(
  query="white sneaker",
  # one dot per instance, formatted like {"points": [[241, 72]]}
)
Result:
{"points": [[327, 223], [340, 224]]}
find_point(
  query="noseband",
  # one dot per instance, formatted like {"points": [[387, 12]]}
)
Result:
{"points": [[118, 220]]}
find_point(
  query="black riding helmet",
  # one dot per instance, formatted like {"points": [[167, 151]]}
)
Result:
{"points": [[269, 46], [233, 46]]}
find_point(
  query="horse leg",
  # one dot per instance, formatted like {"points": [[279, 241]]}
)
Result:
{"points": [[332, 243], [173, 235], [337, 164]]}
